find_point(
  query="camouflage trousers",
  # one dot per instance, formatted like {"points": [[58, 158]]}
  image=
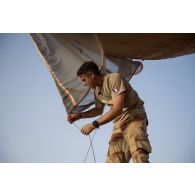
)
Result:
{"points": [[132, 142]]}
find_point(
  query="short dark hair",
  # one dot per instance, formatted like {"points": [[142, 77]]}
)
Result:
{"points": [[88, 66]]}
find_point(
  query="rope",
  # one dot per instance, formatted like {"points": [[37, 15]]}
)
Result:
{"points": [[90, 146]]}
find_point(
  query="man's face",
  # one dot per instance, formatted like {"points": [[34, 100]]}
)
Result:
{"points": [[88, 80]]}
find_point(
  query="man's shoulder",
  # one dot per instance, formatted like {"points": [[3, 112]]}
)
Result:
{"points": [[113, 76]]}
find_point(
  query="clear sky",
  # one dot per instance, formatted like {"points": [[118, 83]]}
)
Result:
{"points": [[33, 126]]}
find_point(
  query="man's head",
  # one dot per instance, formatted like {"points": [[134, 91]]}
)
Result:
{"points": [[88, 72]]}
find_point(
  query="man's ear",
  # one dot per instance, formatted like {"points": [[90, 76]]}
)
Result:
{"points": [[91, 75]]}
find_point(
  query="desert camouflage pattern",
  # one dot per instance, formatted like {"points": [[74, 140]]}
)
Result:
{"points": [[131, 143], [129, 138]]}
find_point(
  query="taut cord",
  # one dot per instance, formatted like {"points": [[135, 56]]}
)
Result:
{"points": [[91, 145]]}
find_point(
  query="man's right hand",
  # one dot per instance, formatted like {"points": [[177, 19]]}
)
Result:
{"points": [[73, 117]]}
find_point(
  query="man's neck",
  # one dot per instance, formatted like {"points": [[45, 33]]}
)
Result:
{"points": [[100, 79]]}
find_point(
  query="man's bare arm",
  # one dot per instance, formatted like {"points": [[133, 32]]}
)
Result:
{"points": [[116, 110], [98, 110]]}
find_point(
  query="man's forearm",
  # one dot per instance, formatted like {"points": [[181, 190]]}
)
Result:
{"points": [[109, 116], [91, 113]]}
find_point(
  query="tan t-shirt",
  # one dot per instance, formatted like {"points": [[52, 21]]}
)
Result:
{"points": [[113, 85]]}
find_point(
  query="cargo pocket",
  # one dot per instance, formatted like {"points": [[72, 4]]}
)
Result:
{"points": [[139, 142], [138, 137]]}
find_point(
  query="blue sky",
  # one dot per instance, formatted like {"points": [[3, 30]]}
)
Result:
{"points": [[33, 124]]}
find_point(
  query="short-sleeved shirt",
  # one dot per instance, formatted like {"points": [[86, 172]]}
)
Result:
{"points": [[113, 85]]}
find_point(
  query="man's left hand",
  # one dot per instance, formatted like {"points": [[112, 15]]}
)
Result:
{"points": [[87, 129]]}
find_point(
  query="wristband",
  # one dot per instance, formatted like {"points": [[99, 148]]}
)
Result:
{"points": [[95, 124]]}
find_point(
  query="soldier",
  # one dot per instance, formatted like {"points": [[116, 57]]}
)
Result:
{"points": [[129, 137]]}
